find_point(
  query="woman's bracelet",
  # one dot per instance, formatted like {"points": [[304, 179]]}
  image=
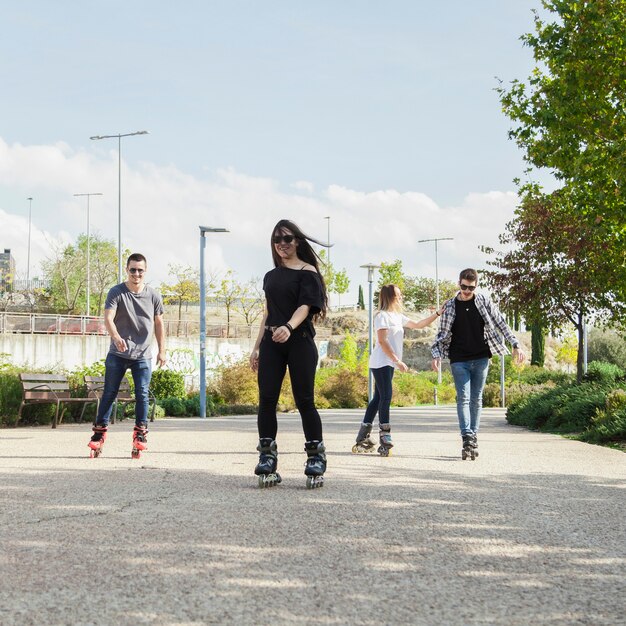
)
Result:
{"points": [[289, 326]]}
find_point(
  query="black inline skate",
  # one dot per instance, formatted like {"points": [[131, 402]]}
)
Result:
{"points": [[363, 443], [268, 463], [384, 449], [315, 465], [475, 444], [468, 450]]}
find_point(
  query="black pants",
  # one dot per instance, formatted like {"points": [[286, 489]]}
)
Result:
{"points": [[299, 352]]}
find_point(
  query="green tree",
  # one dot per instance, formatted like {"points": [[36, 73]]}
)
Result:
{"points": [[421, 293], [391, 274], [67, 273], [341, 283], [327, 269], [229, 292], [557, 271], [570, 115], [538, 344], [184, 289], [251, 303], [102, 269]]}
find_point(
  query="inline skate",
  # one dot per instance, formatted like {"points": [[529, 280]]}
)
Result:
{"points": [[363, 443], [140, 441], [469, 448], [268, 463], [384, 449], [97, 441], [315, 465]]}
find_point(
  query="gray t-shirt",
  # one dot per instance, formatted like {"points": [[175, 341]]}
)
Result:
{"points": [[134, 319]]}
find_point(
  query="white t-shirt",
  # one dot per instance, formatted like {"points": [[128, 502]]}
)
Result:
{"points": [[394, 323]]}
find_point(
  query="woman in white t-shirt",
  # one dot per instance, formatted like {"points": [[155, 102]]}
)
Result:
{"points": [[386, 357]]}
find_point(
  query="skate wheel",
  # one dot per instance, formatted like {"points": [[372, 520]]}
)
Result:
{"points": [[355, 449], [135, 454], [464, 455], [313, 482]]}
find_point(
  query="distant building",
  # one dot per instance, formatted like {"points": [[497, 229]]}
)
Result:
{"points": [[7, 270]]}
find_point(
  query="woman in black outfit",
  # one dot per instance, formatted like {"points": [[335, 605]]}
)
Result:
{"points": [[295, 295]]}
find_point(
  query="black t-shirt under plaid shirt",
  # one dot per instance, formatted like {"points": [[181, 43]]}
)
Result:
{"points": [[468, 333], [286, 290]]}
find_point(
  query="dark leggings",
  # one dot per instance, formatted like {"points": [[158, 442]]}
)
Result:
{"points": [[299, 353], [383, 377]]}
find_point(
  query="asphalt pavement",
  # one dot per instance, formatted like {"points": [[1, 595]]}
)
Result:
{"points": [[532, 532]]}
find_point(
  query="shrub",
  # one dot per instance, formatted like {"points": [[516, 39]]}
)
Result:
{"points": [[603, 372], [609, 423], [10, 395], [344, 389], [174, 407], [564, 409], [167, 384], [607, 345], [236, 384]]}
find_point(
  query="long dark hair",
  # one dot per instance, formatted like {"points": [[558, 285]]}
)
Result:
{"points": [[305, 253]]}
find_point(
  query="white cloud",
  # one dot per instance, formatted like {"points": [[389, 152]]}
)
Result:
{"points": [[162, 208]]}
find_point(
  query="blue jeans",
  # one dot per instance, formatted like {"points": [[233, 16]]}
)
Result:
{"points": [[115, 368], [381, 401], [469, 380]]}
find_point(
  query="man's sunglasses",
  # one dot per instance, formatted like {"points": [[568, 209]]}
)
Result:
{"points": [[467, 287], [135, 270], [283, 239]]}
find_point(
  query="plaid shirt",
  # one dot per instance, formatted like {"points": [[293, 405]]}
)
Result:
{"points": [[496, 328]]}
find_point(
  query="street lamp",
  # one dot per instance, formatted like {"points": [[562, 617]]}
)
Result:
{"points": [[119, 191], [78, 195], [328, 238], [370, 279], [203, 230], [437, 283], [30, 211]]}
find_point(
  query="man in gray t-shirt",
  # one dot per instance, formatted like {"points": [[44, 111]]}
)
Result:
{"points": [[133, 313]]}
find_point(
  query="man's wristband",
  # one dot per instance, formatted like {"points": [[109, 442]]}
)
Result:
{"points": [[289, 326]]}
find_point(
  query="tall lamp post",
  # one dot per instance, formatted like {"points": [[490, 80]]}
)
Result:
{"points": [[203, 230], [437, 281], [79, 195], [328, 238], [371, 267], [30, 211], [119, 191]]}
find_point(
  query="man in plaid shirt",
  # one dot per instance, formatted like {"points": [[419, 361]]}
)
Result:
{"points": [[472, 329]]}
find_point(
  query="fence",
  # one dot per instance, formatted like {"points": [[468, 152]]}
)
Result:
{"points": [[42, 323]]}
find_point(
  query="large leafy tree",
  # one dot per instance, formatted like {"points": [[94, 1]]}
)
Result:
{"points": [[570, 115], [557, 270]]}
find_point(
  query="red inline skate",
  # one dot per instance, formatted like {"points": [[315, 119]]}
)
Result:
{"points": [[140, 441], [97, 441]]}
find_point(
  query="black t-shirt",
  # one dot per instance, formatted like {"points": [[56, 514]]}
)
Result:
{"points": [[286, 289], [468, 333]]}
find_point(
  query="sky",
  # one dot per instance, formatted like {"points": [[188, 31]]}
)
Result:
{"points": [[381, 116]]}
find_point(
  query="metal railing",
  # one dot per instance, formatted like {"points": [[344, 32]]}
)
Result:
{"points": [[46, 323]]}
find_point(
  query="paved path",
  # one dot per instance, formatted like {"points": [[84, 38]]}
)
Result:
{"points": [[533, 532]]}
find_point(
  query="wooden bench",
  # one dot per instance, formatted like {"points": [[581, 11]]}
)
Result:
{"points": [[47, 389], [95, 389]]}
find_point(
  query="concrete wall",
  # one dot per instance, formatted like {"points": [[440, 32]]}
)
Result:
{"points": [[71, 351]]}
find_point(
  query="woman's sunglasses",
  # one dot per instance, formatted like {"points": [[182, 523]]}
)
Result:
{"points": [[283, 239]]}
